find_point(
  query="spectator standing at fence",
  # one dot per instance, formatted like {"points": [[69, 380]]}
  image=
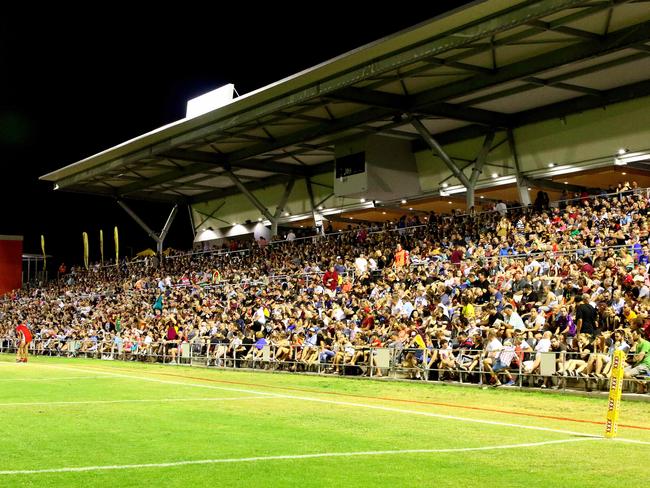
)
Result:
{"points": [[585, 316], [24, 336], [401, 257]]}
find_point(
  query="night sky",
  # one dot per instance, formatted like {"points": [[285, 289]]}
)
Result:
{"points": [[77, 83]]}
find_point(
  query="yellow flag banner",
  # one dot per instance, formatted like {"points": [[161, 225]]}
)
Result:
{"points": [[85, 236], [101, 245], [615, 392], [43, 249], [117, 246]]}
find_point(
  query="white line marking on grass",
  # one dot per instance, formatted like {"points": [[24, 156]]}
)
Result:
{"points": [[293, 456], [338, 402], [57, 378], [100, 402], [631, 441], [353, 404]]}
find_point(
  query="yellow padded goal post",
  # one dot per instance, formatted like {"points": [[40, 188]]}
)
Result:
{"points": [[615, 392]]}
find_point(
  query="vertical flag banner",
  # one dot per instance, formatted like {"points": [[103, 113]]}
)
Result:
{"points": [[615, 391], [117, 247], [101, 245], [85, 236], [43, 249]]}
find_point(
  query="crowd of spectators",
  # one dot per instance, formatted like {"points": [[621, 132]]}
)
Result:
{"points": [[477, 297]]}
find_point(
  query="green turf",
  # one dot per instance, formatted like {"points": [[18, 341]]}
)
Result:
{"points": [[237, 414]]}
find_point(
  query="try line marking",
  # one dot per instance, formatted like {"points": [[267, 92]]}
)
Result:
{"points": [[292, 456], [154, 400]]}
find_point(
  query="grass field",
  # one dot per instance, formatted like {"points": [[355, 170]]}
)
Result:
{"points": [[93, 423]]}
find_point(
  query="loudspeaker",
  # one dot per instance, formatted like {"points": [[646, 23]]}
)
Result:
{"points": [[375, 168]]}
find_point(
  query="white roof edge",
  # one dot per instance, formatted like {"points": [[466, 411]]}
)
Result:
{"points": [[412, 35]]}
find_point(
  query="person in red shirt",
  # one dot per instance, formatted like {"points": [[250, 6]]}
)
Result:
{"points": [[24, 337], [331, 279]]}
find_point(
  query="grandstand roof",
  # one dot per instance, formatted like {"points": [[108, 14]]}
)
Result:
{"points": [[496, 64]]}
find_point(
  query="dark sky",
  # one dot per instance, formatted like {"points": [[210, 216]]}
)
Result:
{"points": [[74, 84]]}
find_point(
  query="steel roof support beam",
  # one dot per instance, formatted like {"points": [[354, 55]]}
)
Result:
{"points": [[160, 239], [616, 41], [210, 215], [477, 169], [318, 218], [280, 208], [440, 152], [189, 209], [553, 111], [404, 104], [219, 160], [553, 80], [252, 198], [168, 224], [522, 185]]}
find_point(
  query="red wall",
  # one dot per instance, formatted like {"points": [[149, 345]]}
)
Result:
{"points": [[11, 263]]}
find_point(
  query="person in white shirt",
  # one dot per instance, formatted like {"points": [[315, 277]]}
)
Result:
{"points": [[291, 236], [361, 265], [535, 321], [513, 319], [543, 345]]}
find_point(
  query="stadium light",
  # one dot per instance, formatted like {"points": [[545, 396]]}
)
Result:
{"points": [[210, 101]]}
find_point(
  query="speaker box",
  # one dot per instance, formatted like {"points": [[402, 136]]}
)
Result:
{"points": [[375, 168]]}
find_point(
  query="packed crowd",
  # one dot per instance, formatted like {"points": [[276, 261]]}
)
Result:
{"points": [[478, 297]]}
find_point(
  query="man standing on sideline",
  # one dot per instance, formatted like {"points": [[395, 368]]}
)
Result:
{"points": [[585, 316], [24, 337]]}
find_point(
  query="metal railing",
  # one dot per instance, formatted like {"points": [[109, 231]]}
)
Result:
{"points": [[561, 371]]}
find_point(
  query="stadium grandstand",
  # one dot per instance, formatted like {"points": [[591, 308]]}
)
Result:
{"points": [[466, 201]]}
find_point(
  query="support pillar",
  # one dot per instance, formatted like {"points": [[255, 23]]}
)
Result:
{"points": [[522, 184], [318, 218], [440, 152], [189, 209], [252, 198], [477, 169], [280, 207], [160, 239]]}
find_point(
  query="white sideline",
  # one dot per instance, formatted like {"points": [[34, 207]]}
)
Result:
{"points": [[153, 400], [292, 456], [351, 404]]}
